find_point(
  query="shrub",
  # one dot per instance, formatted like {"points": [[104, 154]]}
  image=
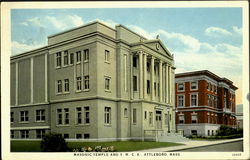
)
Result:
{"points": [[53, 142], [226, 131]]}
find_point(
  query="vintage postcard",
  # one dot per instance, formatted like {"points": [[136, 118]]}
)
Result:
{"points": [[125, 80]]}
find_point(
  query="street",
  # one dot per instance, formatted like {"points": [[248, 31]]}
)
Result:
{"points": [[226, 147]]}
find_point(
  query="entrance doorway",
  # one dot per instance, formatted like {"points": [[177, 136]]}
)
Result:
{"points": [[158, 119]]}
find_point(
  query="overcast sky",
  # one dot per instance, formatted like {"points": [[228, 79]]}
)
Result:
{"points": [[199, 38]]}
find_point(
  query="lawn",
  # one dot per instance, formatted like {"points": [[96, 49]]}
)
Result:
{"points": [[121, 146]]}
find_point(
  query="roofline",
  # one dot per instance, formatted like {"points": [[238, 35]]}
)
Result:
{"points": [[208, 73], [29, 52], [85, 25], [120, 25]]}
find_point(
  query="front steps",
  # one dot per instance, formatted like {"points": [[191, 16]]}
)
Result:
{"points": [[171, 137]]}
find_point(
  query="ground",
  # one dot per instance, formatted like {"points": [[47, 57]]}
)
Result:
{"points": [[121, 146]]}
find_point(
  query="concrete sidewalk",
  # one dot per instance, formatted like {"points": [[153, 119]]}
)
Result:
{"points": [[190, 144]]}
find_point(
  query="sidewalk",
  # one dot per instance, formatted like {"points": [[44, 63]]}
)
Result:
{"points": [[190, 144]]}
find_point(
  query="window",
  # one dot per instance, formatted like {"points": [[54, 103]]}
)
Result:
{"points": [[24, 116], [11, 117], [59, 116], [148, 66], [215, 89], [40, 133], [66, 136], [125, 112], [181, 87], [181, 118], [194, 86], [194, 118], [58, 59], [158, 89], [86, 136], [40, 115], [148, 86], [194, 100], [134, 83], [180, 100], [107, 83], [86, 82], [78, 83], [107, 56], [78, 56], [145, 115], [79, 115], [66, 116], [212, 132], [86, 115], [107, 114], [194, 132], [78, 136], [66, 85], [208, 99], [134, 61], [208, 132], [208, 86], [59, 86], [66, 58], [12, 135], [134, 115], [71, 60], [86, 55], [150, 118], [24, 133]]}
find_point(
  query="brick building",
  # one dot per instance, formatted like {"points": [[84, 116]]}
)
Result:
{"points": [[204, 101]]}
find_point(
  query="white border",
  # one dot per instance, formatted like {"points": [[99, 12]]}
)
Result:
{"points": [[5, 68]]}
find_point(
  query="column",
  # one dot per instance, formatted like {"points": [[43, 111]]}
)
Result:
{"points": [[45, 77], [141, 74], [17, 83], [152, 78], [167, 85], [31, 79], [160, 79], [131, 76], [170, 85], [145, 75]]}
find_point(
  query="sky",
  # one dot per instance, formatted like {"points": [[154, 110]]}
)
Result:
{"points": [[200, 38]]}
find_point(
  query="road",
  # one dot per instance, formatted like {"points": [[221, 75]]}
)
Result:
{"points": [[226, 147]]}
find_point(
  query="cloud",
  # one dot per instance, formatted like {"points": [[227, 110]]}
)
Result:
{"points": [[58, 23], [217, 32], [20, 47], [237, 30]]}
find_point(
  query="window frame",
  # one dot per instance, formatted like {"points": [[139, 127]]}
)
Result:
{"points": [[40, 133], [41, 114], [78, 84], [86, 83], [26, 134], [12, 117], [195, 120], [79, 115], [107, 56], [59, 87], [71, 58], [178, 100], [181, 115], [197, 99], [86, 55], [134, 116], [86, 110], [25, 116], [78, 57], [58, 59], [135, 84], [66, 85], [178, 88], [65, 57], [196, 86], [107, 83], [107, 115]]}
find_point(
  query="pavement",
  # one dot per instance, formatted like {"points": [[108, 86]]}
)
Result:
{"points": [[190, 144]]}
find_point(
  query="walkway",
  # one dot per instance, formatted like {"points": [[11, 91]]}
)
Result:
{"points": [[190, 144]]}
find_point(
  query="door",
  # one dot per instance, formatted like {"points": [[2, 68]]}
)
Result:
{"points": [[158, 119]]}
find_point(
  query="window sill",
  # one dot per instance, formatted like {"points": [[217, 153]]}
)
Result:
{"points": [[107, 90], [107, 125], [78, 62], [39, 121], [65, 93], [194, 89], [64, 66], [86, 124], [62, 125], [180, 90], [78, 91], [60, 93], [86, 61], [58, 67], [25, 122], [86, 90], [107, 62]]}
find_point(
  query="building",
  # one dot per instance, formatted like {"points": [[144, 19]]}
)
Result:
{"points": [[239, 115], [93, 82], [204, 101]]}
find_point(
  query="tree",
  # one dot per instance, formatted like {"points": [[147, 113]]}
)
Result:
{"points": [[53, 142]]}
